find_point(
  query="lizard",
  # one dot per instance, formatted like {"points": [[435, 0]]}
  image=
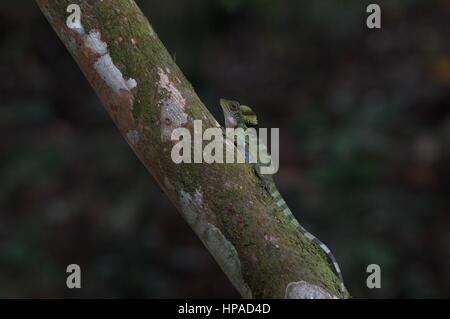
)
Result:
{"points": [[242, 116]]}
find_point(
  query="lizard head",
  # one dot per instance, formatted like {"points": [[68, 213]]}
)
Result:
{"points": [[232, 112], [237, 115]]}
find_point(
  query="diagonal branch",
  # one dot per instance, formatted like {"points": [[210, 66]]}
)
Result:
{"points": [[147, 96]]}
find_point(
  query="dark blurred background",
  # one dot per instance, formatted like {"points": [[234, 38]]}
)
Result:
{"points": [[364, 117]]}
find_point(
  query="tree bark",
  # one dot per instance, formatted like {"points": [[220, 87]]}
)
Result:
{"points": [[147, 96]]}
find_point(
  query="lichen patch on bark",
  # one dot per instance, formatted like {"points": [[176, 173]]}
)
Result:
{"points": [[112, 75], [104, 65], [226, 255], [133, 137], [93, 41], [173, 107], [95, 52], [303, 290]]}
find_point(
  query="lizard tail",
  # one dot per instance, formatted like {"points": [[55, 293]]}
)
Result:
{"points": [[287, 212]]}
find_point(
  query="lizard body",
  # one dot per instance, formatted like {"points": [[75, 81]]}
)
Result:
{"points": [[241, 116]]}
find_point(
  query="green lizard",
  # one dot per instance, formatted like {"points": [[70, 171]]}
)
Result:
{"points": [[241, 116]]}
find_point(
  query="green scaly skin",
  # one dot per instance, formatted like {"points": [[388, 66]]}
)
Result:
{"points": [[242, 116]]}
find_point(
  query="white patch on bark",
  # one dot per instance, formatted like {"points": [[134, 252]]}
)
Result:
{"points": [[94, 41], [112, 75], [104, 65], [303, 290], [173, 107], [133, 137], [217, 244], [131, 83]]}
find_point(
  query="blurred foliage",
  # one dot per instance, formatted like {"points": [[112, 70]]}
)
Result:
{"points": [[365, 128]]}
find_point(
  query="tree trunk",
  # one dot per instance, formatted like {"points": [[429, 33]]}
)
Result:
{"points": [[147, 96]]}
